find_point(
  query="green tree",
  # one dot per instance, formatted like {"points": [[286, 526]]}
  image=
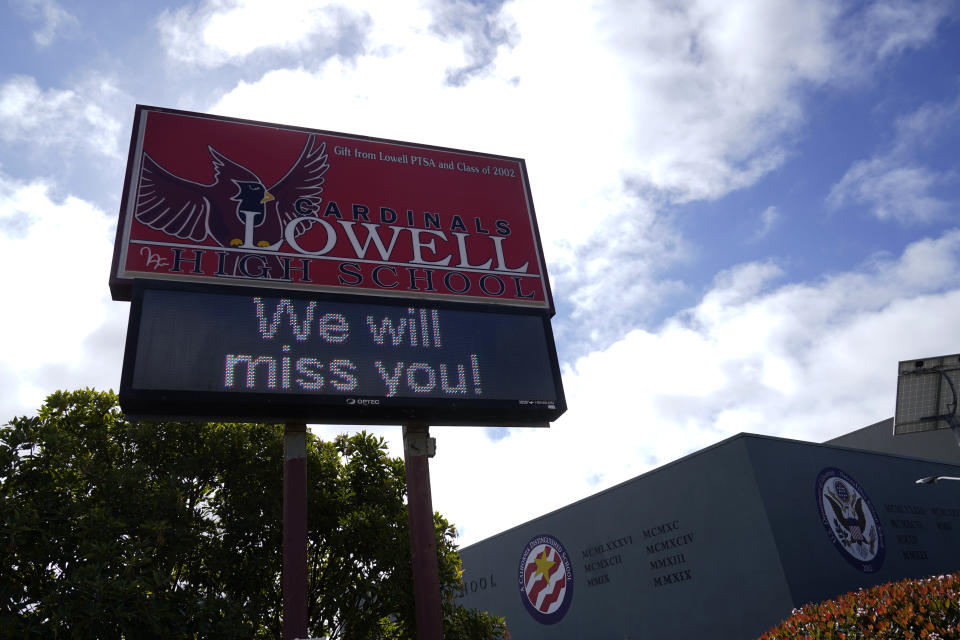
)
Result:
{"points": [[112, 528]]}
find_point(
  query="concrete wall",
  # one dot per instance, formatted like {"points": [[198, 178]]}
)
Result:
{"points": [[919, 524], [723, 543], [658, 556], [933, 445]]}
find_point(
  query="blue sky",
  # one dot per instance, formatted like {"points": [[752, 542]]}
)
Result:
{"points": [[749, 209]]}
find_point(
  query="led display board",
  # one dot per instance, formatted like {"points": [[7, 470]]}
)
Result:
{"points": [[197, 351], [226, 201]]}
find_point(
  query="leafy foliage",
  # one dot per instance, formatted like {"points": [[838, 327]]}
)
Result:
{"points": [[923, 608], [111, 528]]}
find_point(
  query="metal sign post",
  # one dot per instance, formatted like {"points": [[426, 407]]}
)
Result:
{"points": [[418, 448], [294, 531]]}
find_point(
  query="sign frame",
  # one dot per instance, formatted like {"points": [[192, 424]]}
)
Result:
{"points": [[424, 238], [254, 406]]}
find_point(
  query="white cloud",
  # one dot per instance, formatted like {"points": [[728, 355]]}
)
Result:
{"points": [[922, 127], [220, 32], [877, 31], [482, 30], [53, 17], [612, 110], [769, 219], [712, 89], [62, 118], [894, 185], [808, 361], [56, 259], [891, 190], [615, 279], [619, 111], [687, 101]]}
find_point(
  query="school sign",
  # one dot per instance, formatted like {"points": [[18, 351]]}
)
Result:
{"points": [[282, 273], [225, 201]]}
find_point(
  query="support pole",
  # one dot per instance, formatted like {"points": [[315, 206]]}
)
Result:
{"points": [[417, 447], [294, 531]]}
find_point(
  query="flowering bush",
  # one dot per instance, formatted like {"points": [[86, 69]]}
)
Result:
{"points": [[923, 608]]}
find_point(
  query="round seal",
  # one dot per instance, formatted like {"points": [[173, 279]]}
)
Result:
{"points": [[545, 579], [850, 520]]}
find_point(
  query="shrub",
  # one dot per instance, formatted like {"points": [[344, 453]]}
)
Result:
{"points": [[920, 608]]}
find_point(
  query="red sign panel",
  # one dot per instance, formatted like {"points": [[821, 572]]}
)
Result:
{"points": [[224, 201]]}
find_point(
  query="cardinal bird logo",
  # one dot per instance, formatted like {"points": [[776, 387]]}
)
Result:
{"points": [[850, 519], [236, 209]]}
